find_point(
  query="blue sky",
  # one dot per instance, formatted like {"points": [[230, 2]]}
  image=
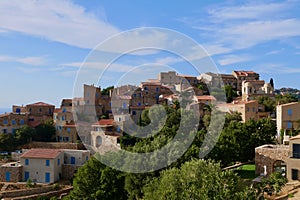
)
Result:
{"points": [[44, 43]]}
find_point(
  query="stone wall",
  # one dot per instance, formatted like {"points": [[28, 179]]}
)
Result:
{"points": [[26, 192], [266, 155], [15, 173], [47, 194], [68, 171], [53, 145]]}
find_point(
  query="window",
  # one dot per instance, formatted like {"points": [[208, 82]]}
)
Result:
{"points": [[296, 150], [157, 89], [13, 122], [22, 122], [290, 112], [58, 161], [69, 130], [18, 110], [253, 109], [5, 121], [13, 131], [134, 95], [62, 118], [139, 104], [47, 163], [294, 174], [4, 130], [64, 110], [124, 105], [26, 162], [133, 112], [248, 109], [146, 88], [40, 110], [86, 158], [289, 125]]}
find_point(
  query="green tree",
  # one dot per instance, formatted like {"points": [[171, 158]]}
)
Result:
{"points": [[197, 179], [6, 142], [96, 181], [44, 132], [273, 183], [24, 135], [105, 91], [272, 83], [230, 93], [267, 102], [286, 98]]}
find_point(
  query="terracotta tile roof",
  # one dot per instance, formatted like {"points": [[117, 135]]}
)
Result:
{"points": [[103, 122], [187, 76], [57, 110], [42, 153], [206, 97], [5, 114], [70, 125], [40, 104], [245, 73]]}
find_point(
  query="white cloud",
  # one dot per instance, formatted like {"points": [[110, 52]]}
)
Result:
{"points": [[231, 59], [248, 11], [250, 34], [273, 52], [215, 49], [35, 61], [276, 68], [101, 66], [56, 20], [230, 28]]}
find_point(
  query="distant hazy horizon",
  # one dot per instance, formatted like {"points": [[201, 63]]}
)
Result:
{"points": [[3, 110]]}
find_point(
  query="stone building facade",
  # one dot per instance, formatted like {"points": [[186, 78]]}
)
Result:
{"points": [[267, 157], [11, 172]]}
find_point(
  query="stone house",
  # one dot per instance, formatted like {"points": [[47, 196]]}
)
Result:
{"points": [[42, 165], [39, 112], [288, 116], [244, 76], [169, 78], [255, 88], [11, 172], [64, 122], [104, 136], [248, 109], [279, 158], [216, 80], [10, 122]]}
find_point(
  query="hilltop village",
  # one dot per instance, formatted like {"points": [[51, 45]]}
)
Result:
{"points": [[44, 145]]}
